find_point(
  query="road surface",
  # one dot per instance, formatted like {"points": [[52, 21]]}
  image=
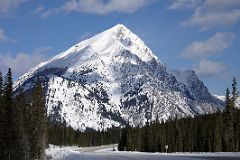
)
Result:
{"points": [[136, 156], [101, 153]]}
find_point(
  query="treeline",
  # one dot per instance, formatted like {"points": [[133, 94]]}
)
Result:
{"points": [[218, 132], [23, 119], [60, 134]]}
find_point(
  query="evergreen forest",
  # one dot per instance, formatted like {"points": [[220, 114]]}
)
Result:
{"points": [[23, 122], [26, 131]]}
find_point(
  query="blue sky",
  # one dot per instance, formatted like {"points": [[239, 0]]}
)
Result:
{"points": [[203, 35]]}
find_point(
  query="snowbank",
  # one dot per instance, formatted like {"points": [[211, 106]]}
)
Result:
{"points": [[62, 153]]}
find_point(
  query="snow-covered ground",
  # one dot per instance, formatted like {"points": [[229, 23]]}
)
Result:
{"points": [[74, 152], [61, 153], [107, 153]]}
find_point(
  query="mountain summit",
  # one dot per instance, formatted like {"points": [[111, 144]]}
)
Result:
{"points": [[113, 79]]}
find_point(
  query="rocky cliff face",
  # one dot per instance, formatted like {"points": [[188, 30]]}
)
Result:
{"points": [[113, 79]]}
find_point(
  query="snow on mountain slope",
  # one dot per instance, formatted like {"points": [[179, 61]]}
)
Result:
{"points": [[113, 79], [105, 44], [237, 103], [220, 97]]}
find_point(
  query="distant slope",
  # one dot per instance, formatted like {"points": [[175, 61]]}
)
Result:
{"points": [[237, 103]]}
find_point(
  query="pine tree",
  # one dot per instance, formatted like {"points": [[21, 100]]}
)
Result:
{"points": [[179, 130], [1, 116], [235, 113], [238, 130], [9, 126], [1, 88], [228, 135], [123, 140], [234, 90], [38, 118], [22, 122], [228, 100], [145, 138], [217, 138]]}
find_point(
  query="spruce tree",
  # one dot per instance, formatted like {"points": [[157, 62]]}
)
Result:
{"points": [[1, 88], [235, 114], [22, 123], [217, 137], [234, 90], [1, 116], [9, 126], [238, 130], [38, 118], [228, 101], [145, 138], [228, 135], [123, 140]]}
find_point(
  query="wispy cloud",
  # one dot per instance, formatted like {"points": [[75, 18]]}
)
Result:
{"points": [[38, 10], [184, 4], [22, 62], [8, 6], [207, 68], [214, 45], [203, 50], [206, 20], [99, 7], [3, 36], [209, 13], [50, 12]]}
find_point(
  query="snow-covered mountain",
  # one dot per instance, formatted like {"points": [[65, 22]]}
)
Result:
{"points": [[112, 79], [222, 98]]}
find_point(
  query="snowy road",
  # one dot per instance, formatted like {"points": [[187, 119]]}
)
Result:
{"points": [[93, 153], [132, 156]]}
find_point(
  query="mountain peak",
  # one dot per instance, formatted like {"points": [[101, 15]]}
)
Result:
{"points": [[117, 38], [121, 30], [120, 26]]}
